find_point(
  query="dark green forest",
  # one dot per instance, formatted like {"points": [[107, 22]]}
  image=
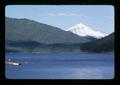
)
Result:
{"points": [[102, 45]]}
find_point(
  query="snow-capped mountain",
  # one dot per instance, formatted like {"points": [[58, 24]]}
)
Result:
{"points": [[85, 31]]}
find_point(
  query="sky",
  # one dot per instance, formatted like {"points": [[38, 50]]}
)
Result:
{"points": [[97, 17]]}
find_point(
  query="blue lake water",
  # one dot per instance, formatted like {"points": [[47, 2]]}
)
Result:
{"points": [[61, 66]]}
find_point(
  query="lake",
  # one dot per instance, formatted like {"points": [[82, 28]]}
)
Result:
{"points": [[60, 66]]}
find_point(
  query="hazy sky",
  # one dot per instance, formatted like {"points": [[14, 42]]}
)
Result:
{"points": [[98, 17]]}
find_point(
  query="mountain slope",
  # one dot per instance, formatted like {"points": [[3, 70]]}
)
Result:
{"points": [[105, 44], [27, 35], [27, 30], [85, 31]]}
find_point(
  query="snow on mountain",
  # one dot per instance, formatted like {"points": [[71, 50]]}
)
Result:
{"points": [[83, 30]]}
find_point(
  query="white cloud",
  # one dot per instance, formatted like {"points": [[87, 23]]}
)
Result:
{"points": [[63, 14], [108, 17], [74, 14]]}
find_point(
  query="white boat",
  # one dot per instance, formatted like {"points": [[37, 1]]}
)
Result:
{"points": [[13, 63]]}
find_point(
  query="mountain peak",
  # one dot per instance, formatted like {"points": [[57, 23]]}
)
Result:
{"points": [[83, 30], [81, 24]]}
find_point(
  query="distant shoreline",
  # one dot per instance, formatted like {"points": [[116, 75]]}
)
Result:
{"points": [[57, 52]]}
